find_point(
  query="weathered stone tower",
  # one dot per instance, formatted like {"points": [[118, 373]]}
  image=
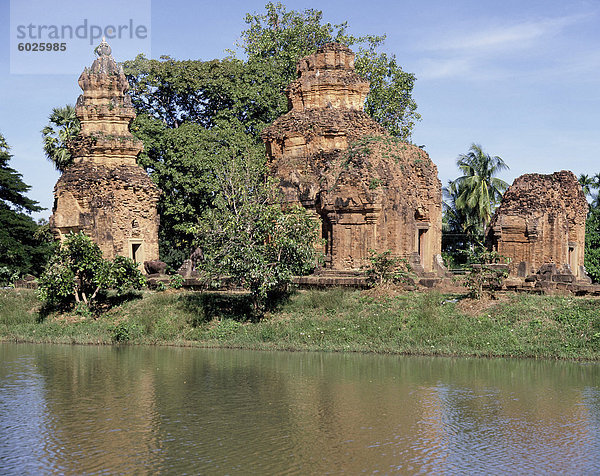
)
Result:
{"points": [[541, 221], [105, 193], [369, 190]]}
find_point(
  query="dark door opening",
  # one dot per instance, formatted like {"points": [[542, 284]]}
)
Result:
{"points": [[571, 258], [136, 252], [421, 245]]}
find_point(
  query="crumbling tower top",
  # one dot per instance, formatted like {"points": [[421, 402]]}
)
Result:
{"points": [[327, 79], [105, 111]]}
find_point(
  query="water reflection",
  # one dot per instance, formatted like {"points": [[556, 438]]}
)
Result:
{"points": [[103, 409]]}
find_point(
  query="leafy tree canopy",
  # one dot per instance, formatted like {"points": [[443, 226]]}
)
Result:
{"points": [[22, 249], [278, 38], [250, 238], [592, 244], [479, 190], [588, 184], [194, 115], [470, 201], [592, 225]]}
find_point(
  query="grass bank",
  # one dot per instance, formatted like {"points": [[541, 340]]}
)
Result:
{"points": [[517, 325]]}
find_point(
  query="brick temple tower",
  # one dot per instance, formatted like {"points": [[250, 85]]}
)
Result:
{"points": [[370, 191], [105, 193], [541, 221]]}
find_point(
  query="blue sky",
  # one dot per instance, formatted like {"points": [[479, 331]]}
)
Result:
{"points": [[522, 78]]}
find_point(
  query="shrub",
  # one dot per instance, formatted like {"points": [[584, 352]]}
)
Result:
{"points": [[387, 269], [77, 272], [176, 281], [8, 276], [124, 331], [484, 274]]}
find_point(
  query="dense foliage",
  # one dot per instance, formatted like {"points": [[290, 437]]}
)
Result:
{"points": [[250, 239], [479, 190], [384, 268], [470, 201], [77, 273], [24, 246], [62, 128], [589, 184], [193, 115], [277, 39], [592, 244]]}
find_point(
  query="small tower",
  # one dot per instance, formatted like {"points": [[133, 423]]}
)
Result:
{"points": [[105, 193], [540, 226], [368, 190]]}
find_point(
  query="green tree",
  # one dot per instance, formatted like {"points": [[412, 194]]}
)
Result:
{"points": [[77, 272], [249, 238], [59, 134], [22, 249], [461, 231], [278, 38], [183, 161], [479, 191], [592, 244], [587, 184], [592, 225], [191, 116]]}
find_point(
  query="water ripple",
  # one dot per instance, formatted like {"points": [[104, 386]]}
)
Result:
{"points": [[101, 410]]}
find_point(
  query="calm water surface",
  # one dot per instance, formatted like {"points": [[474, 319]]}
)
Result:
{"points": [[99, 410]]}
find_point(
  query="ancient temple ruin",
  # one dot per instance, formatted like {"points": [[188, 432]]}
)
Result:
{"points": [[105, 193], [369, 190], [540, 226]]}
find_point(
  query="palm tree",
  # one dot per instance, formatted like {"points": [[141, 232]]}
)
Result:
{"points": [[455, 218], [59, 134], [587, 183], [479, 191]]}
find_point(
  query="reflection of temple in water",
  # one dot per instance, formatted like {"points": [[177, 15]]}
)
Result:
{"points": [[180, 409]]}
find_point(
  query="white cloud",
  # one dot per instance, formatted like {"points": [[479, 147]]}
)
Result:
{"points": [[443, 68], [487, 52], [505, 36]]}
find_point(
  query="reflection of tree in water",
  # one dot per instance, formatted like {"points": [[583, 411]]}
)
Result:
{"points": [[226, 411], [102, 409]]}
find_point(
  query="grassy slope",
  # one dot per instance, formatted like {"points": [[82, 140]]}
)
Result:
{"points": [[333, 320]]}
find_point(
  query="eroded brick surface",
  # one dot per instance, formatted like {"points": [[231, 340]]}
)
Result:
{"points": [[540, 225], [367, 189]]}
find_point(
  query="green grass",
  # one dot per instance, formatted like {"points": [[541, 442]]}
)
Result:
{"points": [[430, 323]]}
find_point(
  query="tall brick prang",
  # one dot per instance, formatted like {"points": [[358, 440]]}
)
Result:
{"points": [[105, 193]]}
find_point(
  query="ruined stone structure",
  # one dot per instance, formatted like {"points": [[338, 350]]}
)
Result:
{"points": [[540, 226], [367, 189], [105, 193]]}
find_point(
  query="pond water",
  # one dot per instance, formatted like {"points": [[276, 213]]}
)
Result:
{"points": [[77, 409]]}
